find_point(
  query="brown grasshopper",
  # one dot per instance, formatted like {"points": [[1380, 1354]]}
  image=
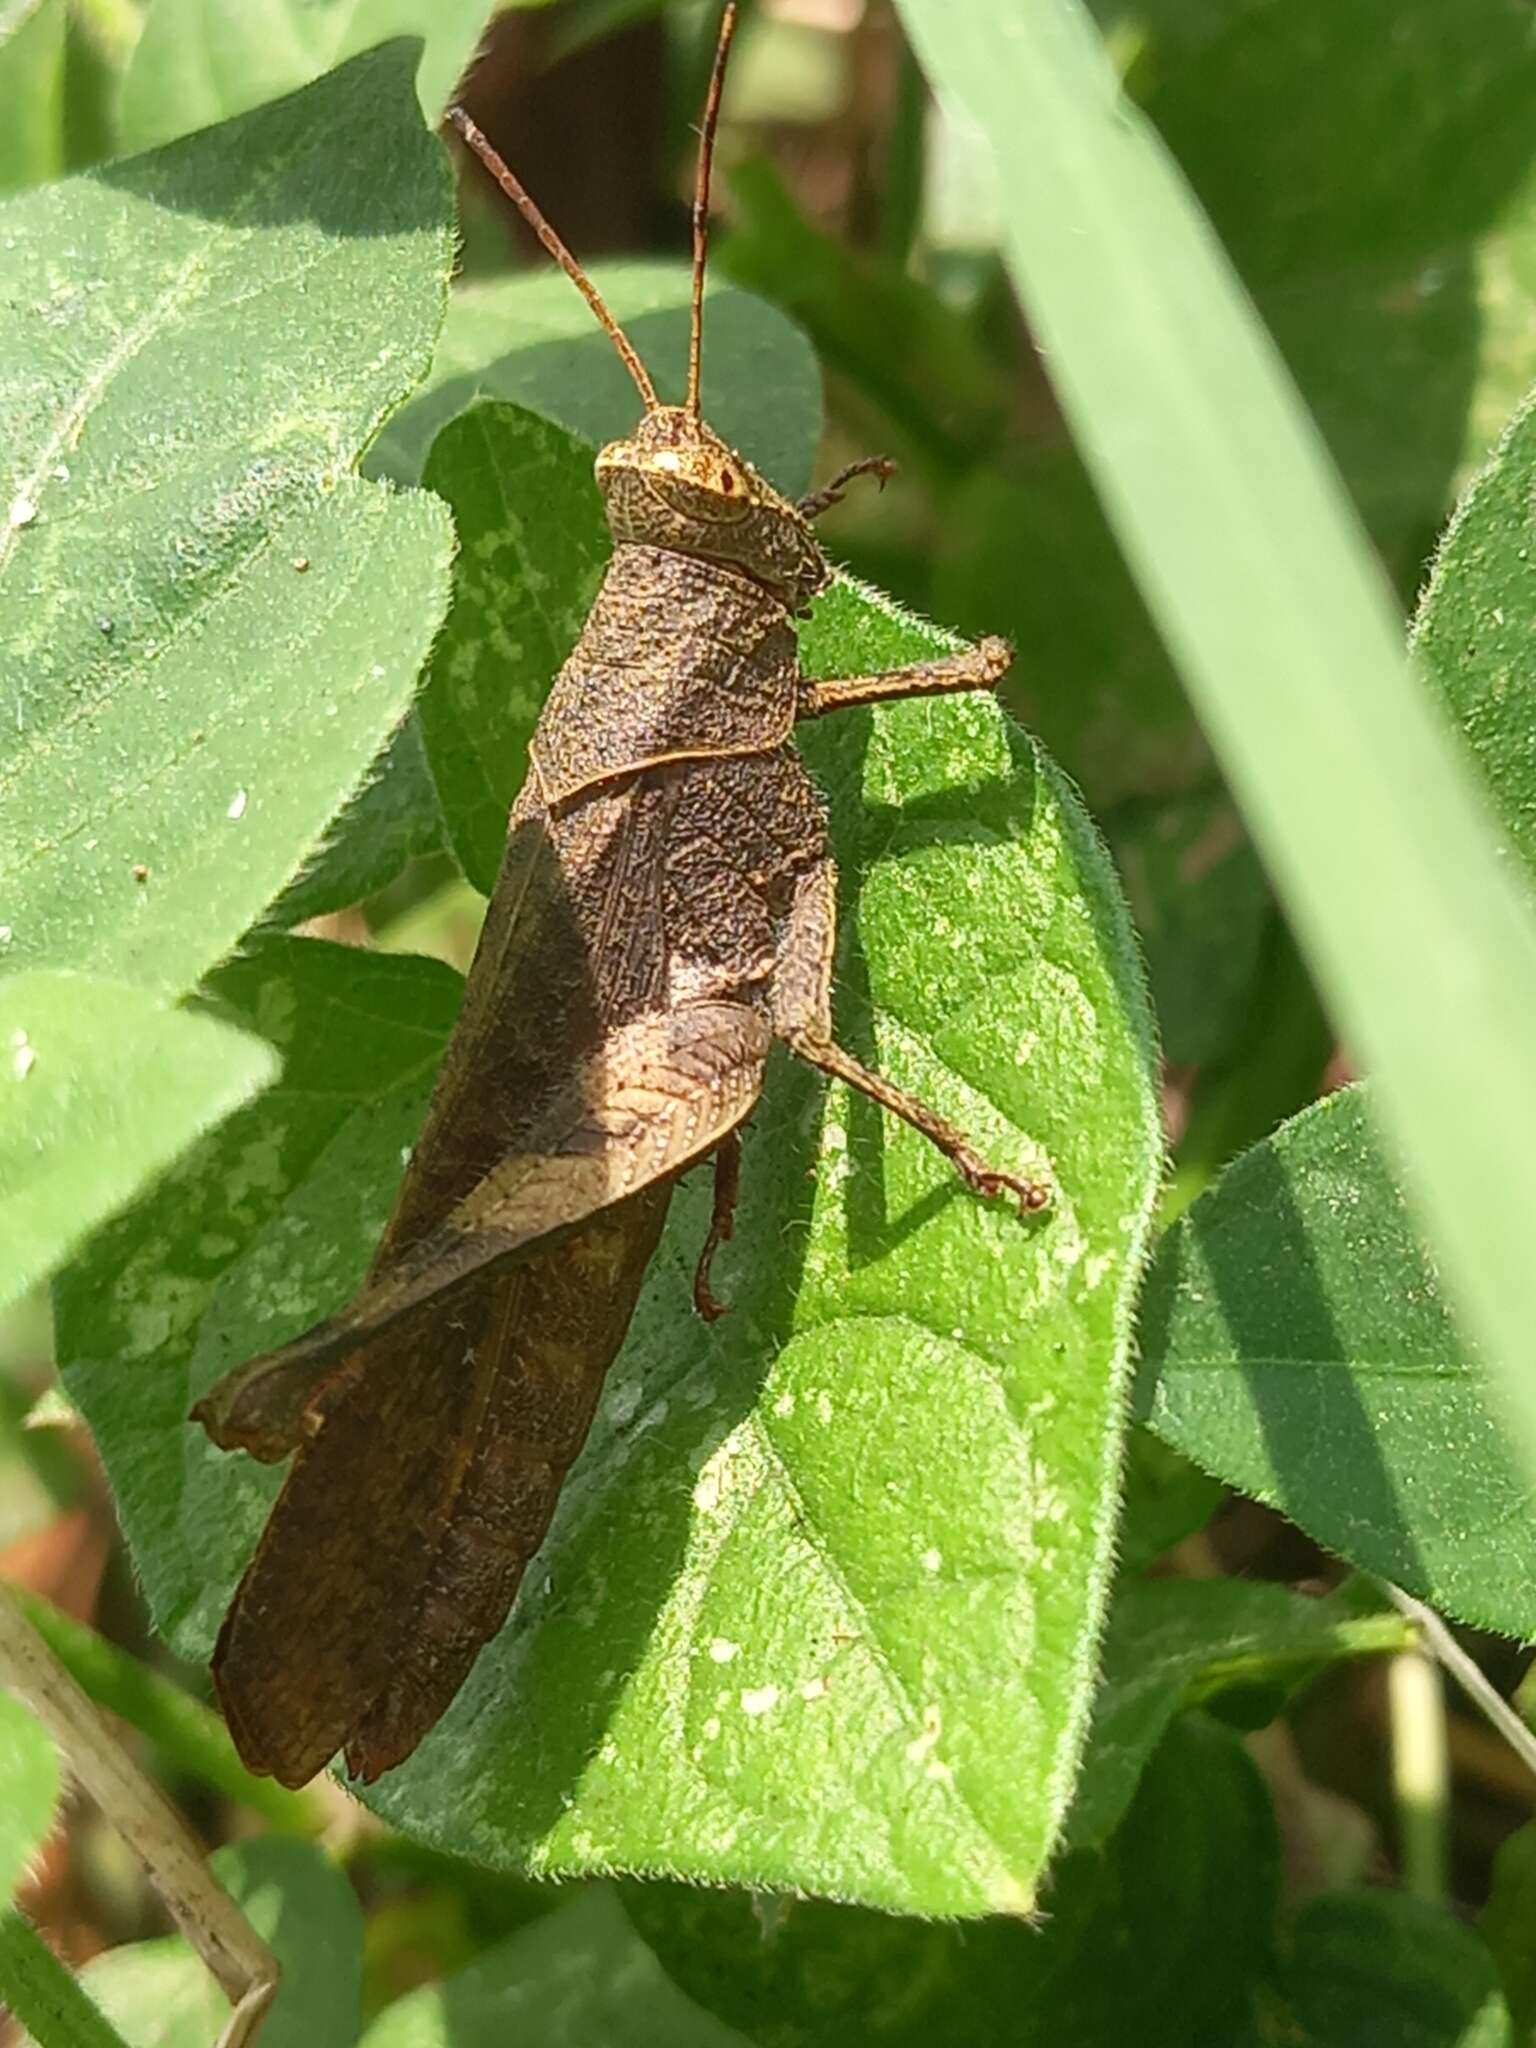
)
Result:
{"points": [[665, 910]]}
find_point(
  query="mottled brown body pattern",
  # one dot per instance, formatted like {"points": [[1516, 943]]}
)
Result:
{"points": [[666, 908]]}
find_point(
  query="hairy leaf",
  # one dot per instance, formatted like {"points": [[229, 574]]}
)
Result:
{"points": [[802, 1598], [101, 1088], [393, 819], [207, 625], [357, 1034], [1179, 1642], [530, 339], [1474, 625], [1296, 1341], [199, 62], [1160, 1938], [577, 1978], [857, 1534]]}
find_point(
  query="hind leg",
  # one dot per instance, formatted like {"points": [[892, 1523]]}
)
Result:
{"points": [[722, 1224], [802, 1017]]}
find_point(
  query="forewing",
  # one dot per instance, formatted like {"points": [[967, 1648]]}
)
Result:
{"points": [[435, 1416], [312, 1632], [559, 1318], [400, 1537], [659, 1094]]}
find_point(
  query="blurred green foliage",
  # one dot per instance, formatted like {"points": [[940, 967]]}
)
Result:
{"points": [[230, 368]]}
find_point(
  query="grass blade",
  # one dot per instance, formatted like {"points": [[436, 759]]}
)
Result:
{"points": [[1258, 574]]}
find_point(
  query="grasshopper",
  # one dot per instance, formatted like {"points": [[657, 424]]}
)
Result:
{"points": [[665, 910]]}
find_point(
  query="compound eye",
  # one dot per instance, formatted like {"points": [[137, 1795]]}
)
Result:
{"points": [[732, 482]]}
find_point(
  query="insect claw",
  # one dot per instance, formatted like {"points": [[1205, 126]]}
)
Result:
{"points": [[880, 467], [1031, 1195], [705, 1302]]}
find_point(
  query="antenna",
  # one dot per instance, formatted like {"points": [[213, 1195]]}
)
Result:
{"points": [[514, 190], [701, 204]]}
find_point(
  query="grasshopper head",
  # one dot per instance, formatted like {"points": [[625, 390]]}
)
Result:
{"points": [[675, 484]]}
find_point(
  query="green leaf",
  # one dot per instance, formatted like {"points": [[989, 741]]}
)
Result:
{"points": [[532, 549], [817, 1557], [1166, 1498], [1028, 555], [1161, 1939], [1474, 625], [1380, 1966], [160, 1995], [32, 55], [1202, 908], [578, 1978], [29, 1791], [531, 339], [392, 820], [40, 1994], [1357, 1409], [199, 62], [209, 627], [862, 1522], [1242, 541], [355, 1031], [101, 1088], [1175, 1643]]}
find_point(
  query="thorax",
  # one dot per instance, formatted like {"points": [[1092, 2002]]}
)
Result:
{"points": [[678, 659]]}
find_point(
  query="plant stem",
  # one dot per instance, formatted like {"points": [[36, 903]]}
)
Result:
{"points": [[1468, 1674], [181, 1728], [1420, 1772], [236, 1956]]}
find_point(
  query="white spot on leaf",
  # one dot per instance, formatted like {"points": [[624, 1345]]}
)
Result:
{"points": [[920, 1748]]}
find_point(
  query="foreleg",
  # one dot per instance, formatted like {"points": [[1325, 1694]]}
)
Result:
{"points": [[971, 668], [830, 494]]}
